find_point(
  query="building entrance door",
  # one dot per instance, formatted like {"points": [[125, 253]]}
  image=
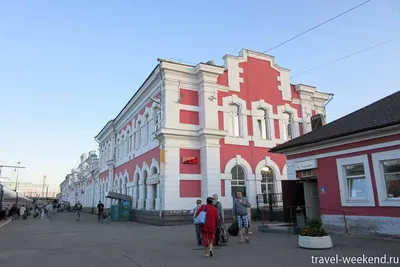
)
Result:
{"points": [[312, 198]]}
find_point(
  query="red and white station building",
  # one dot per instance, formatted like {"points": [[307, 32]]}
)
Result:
{"points": [[194, 130], [350, 168]]}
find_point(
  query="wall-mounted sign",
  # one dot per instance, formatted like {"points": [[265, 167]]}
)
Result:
{"points": [[306, 165], [323, 190], [190, 160]]}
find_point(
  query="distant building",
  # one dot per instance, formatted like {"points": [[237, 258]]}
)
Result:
{"points": [[351, 167], [80, 184], [31, 189]]}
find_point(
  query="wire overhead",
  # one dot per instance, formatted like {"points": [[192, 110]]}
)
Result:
{"points": [[337, 16], [345, 57]]}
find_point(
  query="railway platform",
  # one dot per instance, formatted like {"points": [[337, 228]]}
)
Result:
{"points": [[63, 242]]}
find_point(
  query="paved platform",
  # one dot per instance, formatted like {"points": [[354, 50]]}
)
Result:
{"points": [[63, 242]]}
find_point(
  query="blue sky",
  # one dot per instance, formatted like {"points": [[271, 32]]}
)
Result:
{"points": [[67, 67]]}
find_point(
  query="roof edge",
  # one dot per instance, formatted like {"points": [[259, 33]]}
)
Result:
{"points": [[378, 131]]}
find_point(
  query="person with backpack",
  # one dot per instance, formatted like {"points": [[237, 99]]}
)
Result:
{"points": [[220, 210]]}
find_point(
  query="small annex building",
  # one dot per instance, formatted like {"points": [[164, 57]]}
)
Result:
{"points": [[351, 167]]}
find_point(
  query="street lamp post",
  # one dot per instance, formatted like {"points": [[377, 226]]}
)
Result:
{"points": [[16, 182]]}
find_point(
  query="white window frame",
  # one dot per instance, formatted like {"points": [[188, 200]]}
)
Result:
{"points": [[341, 163], [263, 125], [380, 179], [235, 118]]}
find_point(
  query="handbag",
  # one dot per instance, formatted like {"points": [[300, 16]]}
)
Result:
{"points": [[201, 218], [233, 230]]}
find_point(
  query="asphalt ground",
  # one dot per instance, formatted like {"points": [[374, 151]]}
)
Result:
{"points": [[63, 242]]}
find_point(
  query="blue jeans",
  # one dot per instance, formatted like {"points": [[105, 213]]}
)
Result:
{"points": [[197, 227]]}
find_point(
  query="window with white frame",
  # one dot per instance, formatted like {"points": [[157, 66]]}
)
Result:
{"points": [[127, 143], [263, 125], [122, 147], [145, 127], [387, 177], [287, 123], [131, 142], [157, 115], [138, 135], [118, 148], [391, 174], [355, 181], [236, 121], [267, 180]]}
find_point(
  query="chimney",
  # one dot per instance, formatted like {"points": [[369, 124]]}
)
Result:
{"points": [[317, 121]]}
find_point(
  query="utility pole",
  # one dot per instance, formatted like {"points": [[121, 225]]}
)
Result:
{"points": [[13, 167], [16, 182]]}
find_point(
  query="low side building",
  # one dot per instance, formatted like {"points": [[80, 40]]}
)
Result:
{"points": [[351, 167]]}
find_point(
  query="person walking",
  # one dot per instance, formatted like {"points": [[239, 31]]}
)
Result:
{"points": [[197, 226], [207, 230], [22, 211], [220, 210], [78, 208], [100, 211], [239, 210]]}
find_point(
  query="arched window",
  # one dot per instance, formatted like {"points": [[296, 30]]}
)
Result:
{"points": [[263, 125], [287, 126], [267, 180], [236, 122], [238, 180]]}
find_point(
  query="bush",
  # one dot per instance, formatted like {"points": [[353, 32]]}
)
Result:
{"points": [[313, 228]]}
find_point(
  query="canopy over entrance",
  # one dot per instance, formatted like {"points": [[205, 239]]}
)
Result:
{"points": [[118, 196]]}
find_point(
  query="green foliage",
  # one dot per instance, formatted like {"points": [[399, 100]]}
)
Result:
{"points": [[313, 228]]}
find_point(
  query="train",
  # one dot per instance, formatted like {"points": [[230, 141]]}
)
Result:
{"points": [[9, 197]]}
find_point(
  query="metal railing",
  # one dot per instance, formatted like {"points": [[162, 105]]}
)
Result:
{"points": [[272, 212]]}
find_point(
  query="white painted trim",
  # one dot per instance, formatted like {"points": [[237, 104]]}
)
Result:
{"points": [[238, 160], [379, 177], [348, 151], [340, 163], [364, 136], [270, 163], [190, 177]]}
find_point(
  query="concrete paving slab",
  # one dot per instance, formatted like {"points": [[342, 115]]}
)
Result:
{"points": [[63, 242]]}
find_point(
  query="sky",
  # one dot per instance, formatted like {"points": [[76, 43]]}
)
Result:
{"points": [[67, 67]]}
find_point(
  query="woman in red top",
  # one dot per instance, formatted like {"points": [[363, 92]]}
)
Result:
{"points": [[207, 230]]}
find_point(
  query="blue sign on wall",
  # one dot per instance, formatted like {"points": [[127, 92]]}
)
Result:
{"points": [[323, 190]]}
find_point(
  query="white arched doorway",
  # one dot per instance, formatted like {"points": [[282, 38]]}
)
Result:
{"points": [[238, 182]]}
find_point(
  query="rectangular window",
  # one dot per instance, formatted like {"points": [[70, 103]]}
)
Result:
{"points": [[355, 181], [391, 173], [387, 177], [307, 173], [356, 184]]}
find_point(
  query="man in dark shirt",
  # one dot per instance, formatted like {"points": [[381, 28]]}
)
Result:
{"points": [[100, 210]]}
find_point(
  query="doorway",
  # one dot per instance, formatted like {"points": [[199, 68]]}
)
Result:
{"points": [[311, 195]]}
